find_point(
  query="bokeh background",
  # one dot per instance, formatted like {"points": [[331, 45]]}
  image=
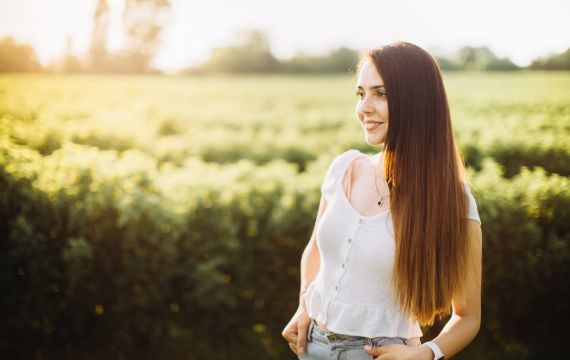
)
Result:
{"points": [[160, 164]]}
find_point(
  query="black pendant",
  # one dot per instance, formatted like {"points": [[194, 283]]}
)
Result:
{"points": [[380, 202]]}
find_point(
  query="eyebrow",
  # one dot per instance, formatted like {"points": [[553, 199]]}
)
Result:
{"points": [[373, 87]]}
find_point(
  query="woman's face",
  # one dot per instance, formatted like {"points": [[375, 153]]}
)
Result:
{"points": [[372, 104]]}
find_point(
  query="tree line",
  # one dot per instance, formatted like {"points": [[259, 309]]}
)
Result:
{"points": [[252, 54], [144, 20]]}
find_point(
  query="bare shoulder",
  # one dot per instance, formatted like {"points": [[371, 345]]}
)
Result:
{"points": [[359, 166]]}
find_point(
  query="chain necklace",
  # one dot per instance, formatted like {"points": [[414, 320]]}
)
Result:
{"points": [[380, 197]]}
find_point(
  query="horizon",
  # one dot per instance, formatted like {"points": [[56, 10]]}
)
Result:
{"points": [[204, 26]]}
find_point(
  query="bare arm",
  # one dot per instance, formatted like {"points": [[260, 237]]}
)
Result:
{"points": [[311, 260], [465, 320], [295, 331]]}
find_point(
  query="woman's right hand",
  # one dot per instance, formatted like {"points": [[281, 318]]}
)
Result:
{"points": [[295, 331]]}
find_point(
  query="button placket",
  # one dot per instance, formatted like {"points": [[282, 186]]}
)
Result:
{"points": [[350, 238], [345, 261]]}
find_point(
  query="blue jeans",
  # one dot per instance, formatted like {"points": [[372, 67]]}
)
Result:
{"points": [[327, 345]]}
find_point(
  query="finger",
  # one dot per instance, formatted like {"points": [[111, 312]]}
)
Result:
{"points": [[375, 350], [302, 337], [293, 347]]}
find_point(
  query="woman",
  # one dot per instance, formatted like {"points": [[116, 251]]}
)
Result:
{"points": [[397, 240]]}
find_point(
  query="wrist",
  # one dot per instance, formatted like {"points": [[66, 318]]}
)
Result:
{"points": [[437, 354], [425, 353]]}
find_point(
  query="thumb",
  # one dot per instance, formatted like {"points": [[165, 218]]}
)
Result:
{"points": [[302, 337], [374, 350]]}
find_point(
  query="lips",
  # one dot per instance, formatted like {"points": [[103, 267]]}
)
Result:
{"points": [[371, 126]]}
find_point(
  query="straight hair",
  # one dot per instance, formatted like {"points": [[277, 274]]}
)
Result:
{"points": [[425, 174]]}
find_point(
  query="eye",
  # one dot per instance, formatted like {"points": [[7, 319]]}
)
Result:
{"points": [[359, 94], [381, 94]]}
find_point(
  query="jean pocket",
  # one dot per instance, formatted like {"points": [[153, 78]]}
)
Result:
{"points": [[385, 340], [310, 331], [351, 352]]}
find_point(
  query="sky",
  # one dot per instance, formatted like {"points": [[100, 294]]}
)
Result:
{"points": [[519, 29]]}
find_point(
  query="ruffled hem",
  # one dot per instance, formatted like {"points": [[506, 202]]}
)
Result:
{"points": [[359, 320]]}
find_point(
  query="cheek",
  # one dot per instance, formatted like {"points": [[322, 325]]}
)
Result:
{"points": [[384, 111]]}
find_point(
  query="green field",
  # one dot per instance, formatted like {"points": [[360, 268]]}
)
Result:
{"points": [[141, 196], [219, 119]]}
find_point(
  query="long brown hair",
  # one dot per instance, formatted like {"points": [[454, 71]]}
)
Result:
{"points": [[425, 174]]}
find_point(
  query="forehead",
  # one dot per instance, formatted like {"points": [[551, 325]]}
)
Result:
{"points": [[368, 75]]}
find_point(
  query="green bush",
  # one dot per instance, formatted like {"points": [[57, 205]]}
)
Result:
{"points": [[516, 153], [101, 261], [109, 257], [526, 229]]}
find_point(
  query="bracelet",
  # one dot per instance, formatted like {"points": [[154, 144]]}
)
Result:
{"points": [[437, 354]]}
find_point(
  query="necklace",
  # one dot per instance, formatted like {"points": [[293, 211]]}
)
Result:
{"points": [[381, 198]]}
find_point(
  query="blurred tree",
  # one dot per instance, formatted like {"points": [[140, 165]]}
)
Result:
{"points": [[98, 55], [552, 62], [481, 58], [70, 63], [252, 53], [300, 63], [501, 65], [447, 64], [342, 60], [143, 24], [17, 58]]}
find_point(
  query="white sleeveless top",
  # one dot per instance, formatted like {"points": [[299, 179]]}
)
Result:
{"points": [[352, 293]]}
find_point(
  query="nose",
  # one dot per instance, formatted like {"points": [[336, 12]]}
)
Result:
{"points": [[365, 107]]}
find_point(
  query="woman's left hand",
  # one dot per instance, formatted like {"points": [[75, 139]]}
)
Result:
{"points": [[397, 352]]}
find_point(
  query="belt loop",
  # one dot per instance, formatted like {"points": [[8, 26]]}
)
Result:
{"points": [[369, 341]]}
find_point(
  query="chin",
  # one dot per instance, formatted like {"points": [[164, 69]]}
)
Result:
{"points": [[374, 140]]}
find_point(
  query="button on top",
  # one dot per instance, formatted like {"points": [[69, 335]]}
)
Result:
{"points": [[343, 265], [336, 287], [360, 221], [349, 240]]}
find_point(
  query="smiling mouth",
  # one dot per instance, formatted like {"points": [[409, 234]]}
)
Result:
{"points": [[372, 125]]}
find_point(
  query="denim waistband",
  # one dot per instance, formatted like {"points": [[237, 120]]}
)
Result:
{"points": [[333, 337]]}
